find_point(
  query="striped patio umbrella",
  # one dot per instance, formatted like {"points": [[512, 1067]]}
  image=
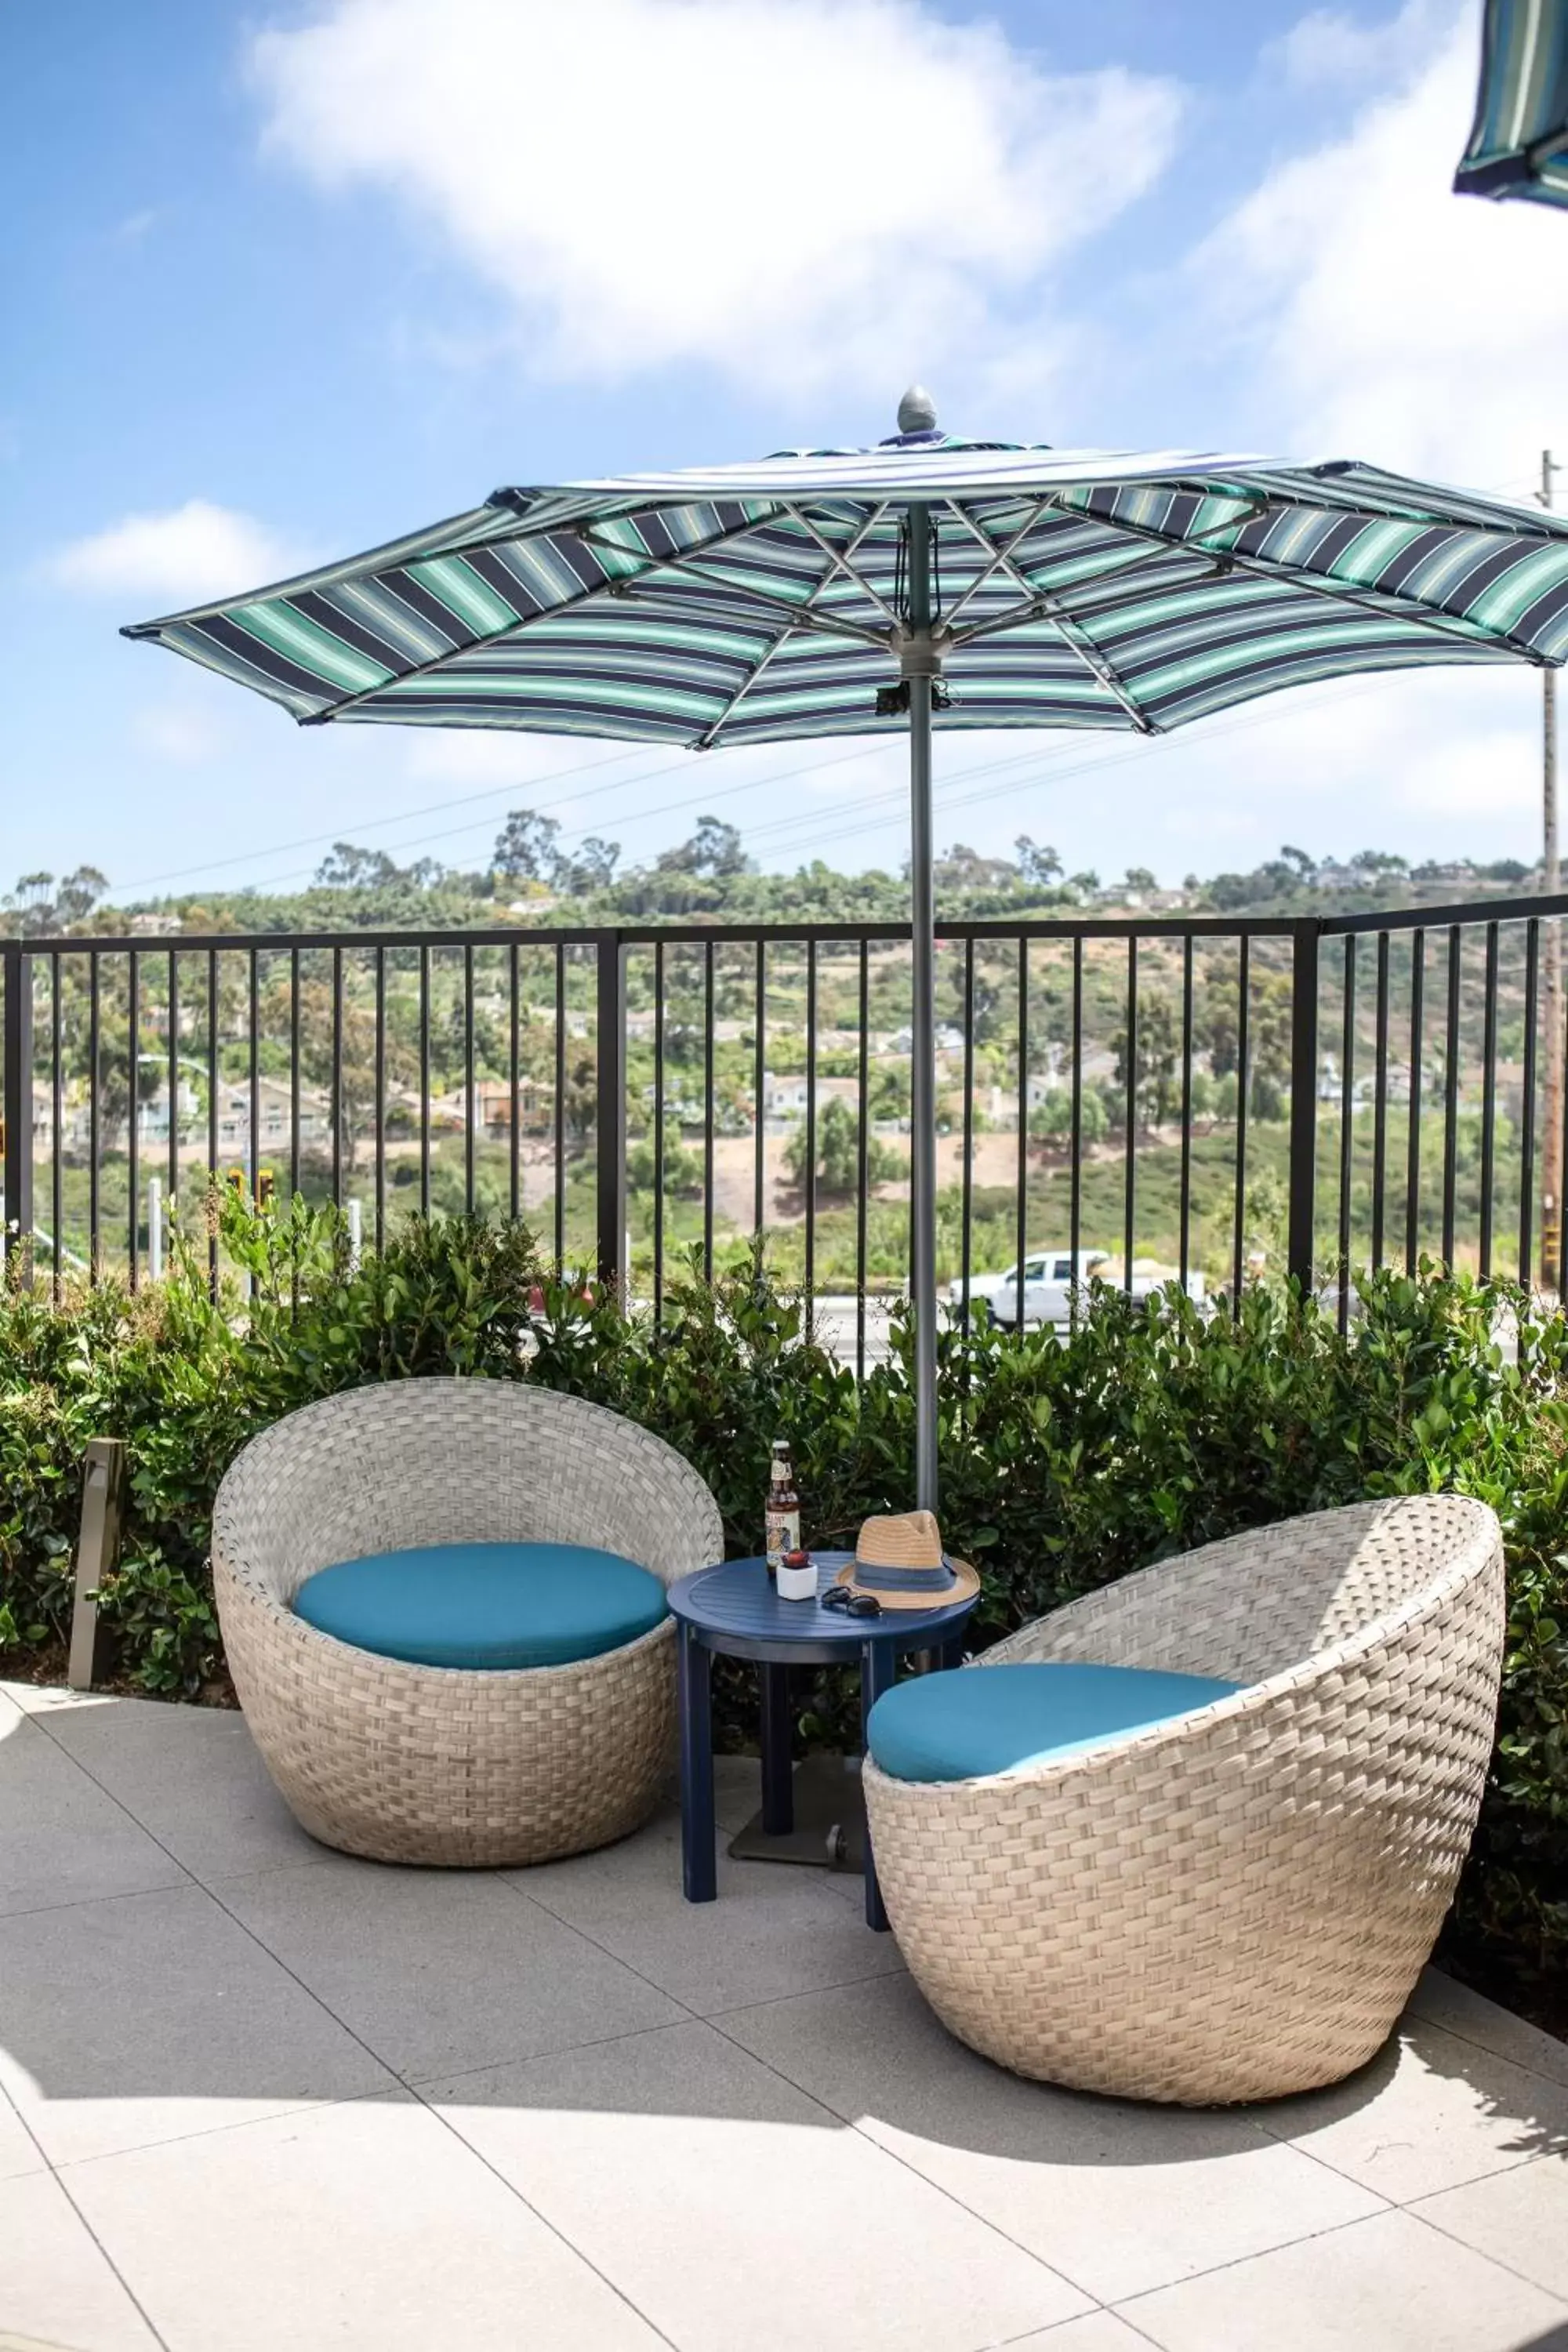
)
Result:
{"points": [[929, 581], [1519, 144]]}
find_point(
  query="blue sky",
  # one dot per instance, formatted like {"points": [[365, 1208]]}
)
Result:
{"points": [[282, 283]]}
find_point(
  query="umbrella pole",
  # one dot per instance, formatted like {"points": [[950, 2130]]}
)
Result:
{"points": [[922, 1026]]}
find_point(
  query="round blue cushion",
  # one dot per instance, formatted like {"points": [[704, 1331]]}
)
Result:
{"points": [[962, 1726], [485, 1605]]}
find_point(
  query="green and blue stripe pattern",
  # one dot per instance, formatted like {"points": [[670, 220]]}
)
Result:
{"points": [[762, 601], [1519, 144]]}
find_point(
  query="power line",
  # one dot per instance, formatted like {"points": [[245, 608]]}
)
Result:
{"points": [[403, 816], [694, 800]]}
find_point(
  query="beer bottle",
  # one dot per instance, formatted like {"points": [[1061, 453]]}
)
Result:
{"points": [[783, 1513]]}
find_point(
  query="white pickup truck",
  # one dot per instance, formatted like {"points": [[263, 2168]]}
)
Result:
{"points": [[1050, 1280]]}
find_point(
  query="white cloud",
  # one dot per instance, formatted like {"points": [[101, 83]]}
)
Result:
{"points": [[1430, 763], [789, 191], [1329, 49], [134, 227], [1377, 314], [195, 550]]}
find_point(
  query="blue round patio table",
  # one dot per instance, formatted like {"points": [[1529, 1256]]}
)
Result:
{"points": [[735, 1611]]}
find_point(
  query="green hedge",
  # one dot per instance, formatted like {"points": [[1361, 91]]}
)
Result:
{"points": [[1063, 1465]]}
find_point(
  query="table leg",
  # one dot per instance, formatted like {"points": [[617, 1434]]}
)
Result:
{"points": [[878, 1664], [778, 1777], [952, 1653], [700, 1874]]}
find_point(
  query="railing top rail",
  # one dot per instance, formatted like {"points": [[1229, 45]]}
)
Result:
{"points": [[158, 945], [1437, 918], [192, 943]]}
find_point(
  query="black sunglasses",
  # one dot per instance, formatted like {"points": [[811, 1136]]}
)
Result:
{"points": [[853, 1604]]}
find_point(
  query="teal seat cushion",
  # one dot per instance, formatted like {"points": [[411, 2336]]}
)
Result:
{"points": [[485, 1605], [962, 1726]]}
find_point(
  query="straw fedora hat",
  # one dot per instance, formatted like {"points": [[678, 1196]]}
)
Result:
{"points": [[899, 1559]]}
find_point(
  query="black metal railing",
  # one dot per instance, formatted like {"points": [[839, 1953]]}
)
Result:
{"points": [[1191, 1096]]}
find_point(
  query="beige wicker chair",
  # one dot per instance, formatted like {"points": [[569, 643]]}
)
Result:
{"points": [[1234, 1905], [426, 1764]]}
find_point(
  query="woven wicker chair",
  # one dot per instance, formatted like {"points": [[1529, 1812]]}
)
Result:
{"points": [[428, 1764], [1236, 1904]]}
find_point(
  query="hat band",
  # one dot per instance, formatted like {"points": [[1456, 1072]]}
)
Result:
{"points": [[905, 1579]]}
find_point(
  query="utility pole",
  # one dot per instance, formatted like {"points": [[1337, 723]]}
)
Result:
{"points": [[1552, 882]]}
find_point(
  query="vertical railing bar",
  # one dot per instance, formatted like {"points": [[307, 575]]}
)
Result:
{"points": [[94, 1122], [514, 1188], [611, 1270], [759, 1088], [1243, 1050], [1413, 1160], [1527, 1107], [173, 1184], [1347, 1128], [863, 1158], [658, 1131], [294, 1072], [1451, 1099], [255, 1117], [1186, 1173], [560, 1107], [424, 1081], [1022, 1236], [133, 1056], [18, 1247], [469, 1079], [1488, 1098], [1380, 1101], [1129, 1177], [708, 1109], [966, 1237], [811, 1130], [1074, 1154], [1301, 1222], [213, 1177], [338, 1076], [57, 1117], [380, 1082], [1561, 1274]]}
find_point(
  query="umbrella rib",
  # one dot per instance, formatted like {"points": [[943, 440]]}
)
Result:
{"points": [[709, 737], [794, 616], [1046, 608], [844, 562], [1382, 603], [999, 555]]}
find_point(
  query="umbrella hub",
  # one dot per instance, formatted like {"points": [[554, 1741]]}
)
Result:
{"points": [[919, 650]]}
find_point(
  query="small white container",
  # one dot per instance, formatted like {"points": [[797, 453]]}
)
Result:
{"points": [[797, 1584]]}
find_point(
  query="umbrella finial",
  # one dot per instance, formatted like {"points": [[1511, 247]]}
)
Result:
{"points": [[917, 410]]}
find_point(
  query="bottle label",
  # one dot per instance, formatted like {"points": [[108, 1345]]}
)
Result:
{"points": [[783, 1533]]}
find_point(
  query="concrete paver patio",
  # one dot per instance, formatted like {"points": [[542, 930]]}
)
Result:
{"points": [[257, 2095]]}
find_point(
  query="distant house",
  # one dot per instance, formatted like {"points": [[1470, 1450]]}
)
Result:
{"points": [[152, 1111], [274, 1116], [947, 1040], [492, 1107], [784, 1098]]}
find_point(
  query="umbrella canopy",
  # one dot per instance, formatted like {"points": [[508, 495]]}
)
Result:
{"points": [[1519, 144], [759, 602], [929, 580]]}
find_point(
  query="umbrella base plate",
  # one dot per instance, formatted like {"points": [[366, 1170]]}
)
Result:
{"points": [[829, 1832]]}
